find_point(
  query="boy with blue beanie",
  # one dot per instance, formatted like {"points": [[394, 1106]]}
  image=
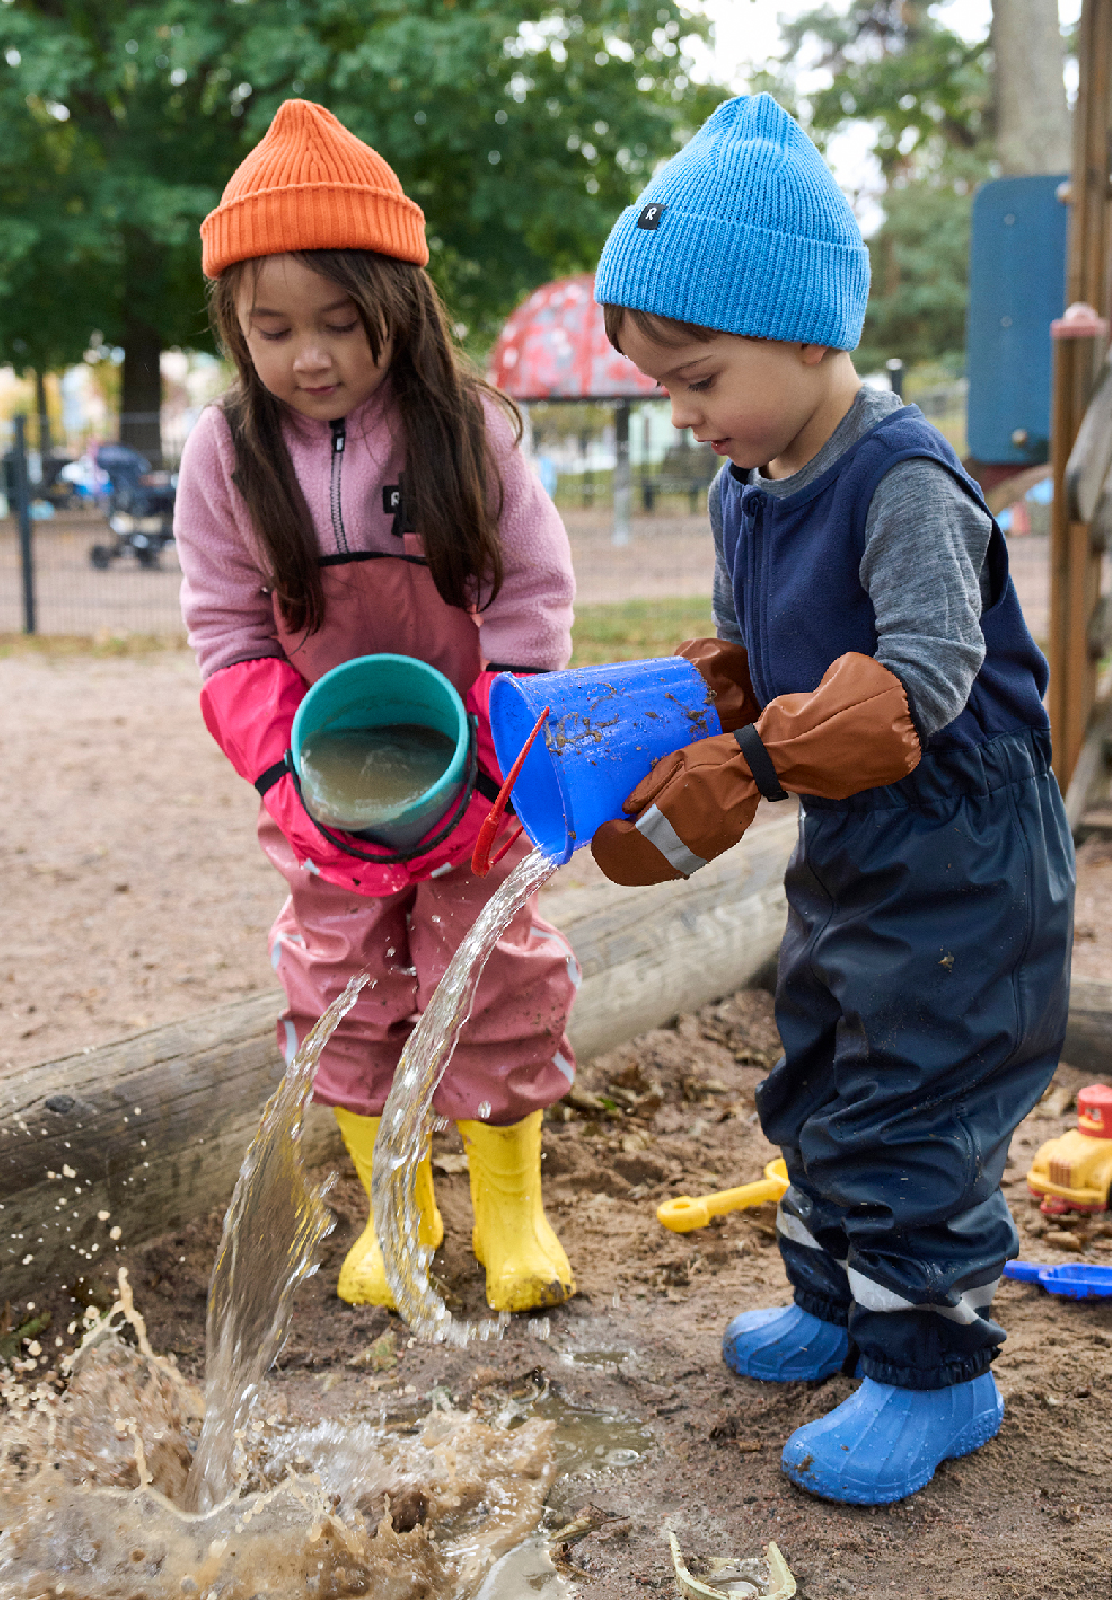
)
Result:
{"points": [[871, 657]]}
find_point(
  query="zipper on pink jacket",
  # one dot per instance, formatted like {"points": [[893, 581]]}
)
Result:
{"points": [[339, 439]]}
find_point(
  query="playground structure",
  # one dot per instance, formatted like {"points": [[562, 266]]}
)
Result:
{"points": [[1081, 448], [554, 347]]}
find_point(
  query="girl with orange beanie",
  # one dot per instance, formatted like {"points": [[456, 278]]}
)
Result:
{"points": [[358, 491]]}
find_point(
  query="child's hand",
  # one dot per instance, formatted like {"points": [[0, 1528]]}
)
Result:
{"points": [[853, 732], [693, 805], [725, 667]]}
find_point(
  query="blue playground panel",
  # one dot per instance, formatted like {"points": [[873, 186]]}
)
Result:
{"points": [[1017, 286]]}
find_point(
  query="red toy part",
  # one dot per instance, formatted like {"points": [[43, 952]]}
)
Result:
{"points": [[1094, 1111], [481, 859]]}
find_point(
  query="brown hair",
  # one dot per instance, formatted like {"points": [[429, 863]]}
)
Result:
{"points": [[453, 490], [662, 330]]}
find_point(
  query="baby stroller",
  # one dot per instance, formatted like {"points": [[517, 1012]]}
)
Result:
{"points": [[140, 507]]}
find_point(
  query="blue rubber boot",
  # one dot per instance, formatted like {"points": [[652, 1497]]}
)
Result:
{"points": [[786, 1345], [883, 1443]]}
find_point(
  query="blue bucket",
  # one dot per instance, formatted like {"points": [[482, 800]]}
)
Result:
{"points": [[383, 691], [606, 727]]}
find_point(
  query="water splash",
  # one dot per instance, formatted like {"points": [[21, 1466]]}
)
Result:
{"points": [[273, 1232], [407, 1117]]}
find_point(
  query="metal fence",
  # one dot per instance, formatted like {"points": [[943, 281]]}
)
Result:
{"points": [[64, 571], [53, 581], [68, 571]]}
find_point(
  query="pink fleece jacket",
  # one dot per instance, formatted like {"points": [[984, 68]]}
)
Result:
{"points": [[225, 603]]}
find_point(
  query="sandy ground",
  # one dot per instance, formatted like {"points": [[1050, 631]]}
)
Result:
{"points": [[134, 895]]}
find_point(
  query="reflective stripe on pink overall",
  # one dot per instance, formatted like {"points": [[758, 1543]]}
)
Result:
{"points": [[513, 1056]]}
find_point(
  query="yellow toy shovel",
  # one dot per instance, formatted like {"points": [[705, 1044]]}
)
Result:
{"points": [[683, 1214]]}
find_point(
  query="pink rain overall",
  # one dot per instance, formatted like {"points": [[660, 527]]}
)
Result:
{"points": [[513, 1056]]}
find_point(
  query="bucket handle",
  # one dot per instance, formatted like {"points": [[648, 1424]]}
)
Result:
{"points": [[481, 858]]}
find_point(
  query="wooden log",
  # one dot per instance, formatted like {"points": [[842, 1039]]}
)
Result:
{"points": [[152, 1131], [648, 953], [1089, 1036]]}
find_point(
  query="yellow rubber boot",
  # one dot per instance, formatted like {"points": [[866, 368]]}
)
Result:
{"points": [[525, 1262], [362, 1280]]}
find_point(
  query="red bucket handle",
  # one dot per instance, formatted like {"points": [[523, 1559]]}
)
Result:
{"points": [[481, 858]]}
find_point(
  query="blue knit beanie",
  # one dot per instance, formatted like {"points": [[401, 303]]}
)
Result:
{"points": [[744, 230]]}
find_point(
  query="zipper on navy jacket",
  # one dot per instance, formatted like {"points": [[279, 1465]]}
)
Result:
{"points": [[753, 507], [339, 439]]}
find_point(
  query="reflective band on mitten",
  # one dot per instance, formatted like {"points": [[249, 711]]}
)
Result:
{"points": [[693, 805], [654, 826]]}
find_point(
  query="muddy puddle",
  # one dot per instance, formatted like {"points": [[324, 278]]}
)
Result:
{"points": [[122, 1481], [425, 1502]]}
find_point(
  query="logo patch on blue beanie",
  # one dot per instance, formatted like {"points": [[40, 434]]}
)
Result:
{"points": [[651, 215]]}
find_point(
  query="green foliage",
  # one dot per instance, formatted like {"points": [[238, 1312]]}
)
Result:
{"points": [[920, 264], [521, 129], [928, 94], [927, 90], [13, 1337]]}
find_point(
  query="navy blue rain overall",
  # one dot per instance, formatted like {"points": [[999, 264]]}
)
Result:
{"points": [[924, 975]]}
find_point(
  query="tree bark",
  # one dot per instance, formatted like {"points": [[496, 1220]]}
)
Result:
{"points": [[141, 397], [1032, 116], [44, 416]]}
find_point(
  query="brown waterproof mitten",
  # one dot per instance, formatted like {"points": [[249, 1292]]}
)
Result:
{"points": [[853, 732], [725, 667]]}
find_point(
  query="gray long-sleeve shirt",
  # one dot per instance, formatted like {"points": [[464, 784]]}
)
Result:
{"points": [[923, 567]]}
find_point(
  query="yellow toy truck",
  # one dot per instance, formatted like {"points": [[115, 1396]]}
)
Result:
{"points": [[1074, 1172]]}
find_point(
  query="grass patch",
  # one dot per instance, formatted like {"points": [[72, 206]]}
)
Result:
{"points": [[637, 630], [104, 644]]}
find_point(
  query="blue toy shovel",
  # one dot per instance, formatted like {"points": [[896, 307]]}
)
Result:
{"points": [[1077, 1279]]}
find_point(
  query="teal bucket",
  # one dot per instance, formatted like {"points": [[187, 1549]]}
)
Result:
{"points": [[605, 729], [384, 691]]}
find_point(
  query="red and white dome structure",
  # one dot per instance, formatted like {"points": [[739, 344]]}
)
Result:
{"points": [[554, 347]]}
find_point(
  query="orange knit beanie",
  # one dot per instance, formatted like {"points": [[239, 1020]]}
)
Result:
{"points": [[311, 185]]}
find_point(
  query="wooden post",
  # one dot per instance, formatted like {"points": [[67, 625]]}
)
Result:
{"points": [[1075, 566]]}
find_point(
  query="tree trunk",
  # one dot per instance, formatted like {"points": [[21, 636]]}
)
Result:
{"points": [[140, 424], [1032, 117], [141, 399], [44, 416]]}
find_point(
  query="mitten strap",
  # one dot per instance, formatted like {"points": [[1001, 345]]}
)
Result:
{"points": [[266, 780], [759, 762]]}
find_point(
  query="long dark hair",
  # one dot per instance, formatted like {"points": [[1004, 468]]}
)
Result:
{"points": [[453, 490]]}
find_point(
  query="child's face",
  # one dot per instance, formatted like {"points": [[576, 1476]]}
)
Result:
{"points": [[753, 400], [307, 340]]}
